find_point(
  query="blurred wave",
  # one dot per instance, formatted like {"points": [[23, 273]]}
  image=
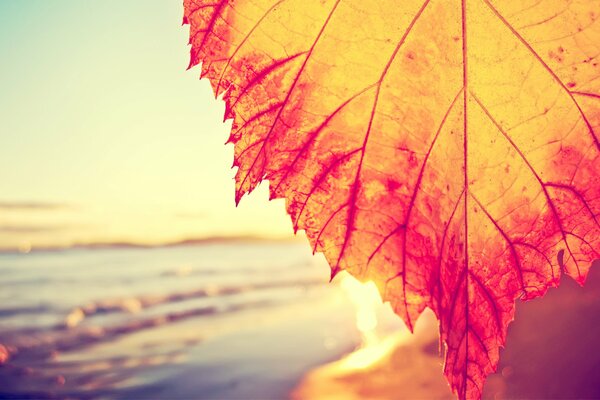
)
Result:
{"points": [[122, 323]]}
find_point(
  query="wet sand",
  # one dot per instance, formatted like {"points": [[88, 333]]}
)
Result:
{"points": [[409, 369]]}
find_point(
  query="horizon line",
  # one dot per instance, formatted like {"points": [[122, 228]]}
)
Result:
{"points": [[101, 245]]}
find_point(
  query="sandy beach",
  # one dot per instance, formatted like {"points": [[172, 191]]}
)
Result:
{"points": [[551, 353], [406, 366]]}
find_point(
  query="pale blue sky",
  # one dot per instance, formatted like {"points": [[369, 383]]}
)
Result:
{"points": [[98, 113]]}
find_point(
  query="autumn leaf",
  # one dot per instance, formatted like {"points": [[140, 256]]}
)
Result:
{"points": [[446, 150]]}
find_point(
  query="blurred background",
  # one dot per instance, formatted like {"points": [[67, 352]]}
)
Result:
{"points": [[126, 271]]}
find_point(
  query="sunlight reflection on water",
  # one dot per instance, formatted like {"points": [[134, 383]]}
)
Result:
{"points": [[218, 321]]}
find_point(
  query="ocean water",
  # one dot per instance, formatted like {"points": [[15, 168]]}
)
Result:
{"points": [[216, 321]]}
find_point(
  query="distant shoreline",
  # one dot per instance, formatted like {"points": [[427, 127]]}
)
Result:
{"points": [[137, 245]]}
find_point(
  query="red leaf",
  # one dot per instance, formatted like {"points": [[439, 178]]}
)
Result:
{"points": [[446, 150]]}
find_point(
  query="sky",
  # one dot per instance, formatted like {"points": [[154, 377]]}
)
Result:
{"points": [[105, 136]]}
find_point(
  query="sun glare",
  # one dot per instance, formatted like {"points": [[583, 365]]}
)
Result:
{"points": [[367, 301]]}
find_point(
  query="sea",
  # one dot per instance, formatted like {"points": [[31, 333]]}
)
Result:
{"points": [[231, 320]]}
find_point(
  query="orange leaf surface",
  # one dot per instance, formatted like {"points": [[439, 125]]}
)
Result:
{"points": [[446, 150]]}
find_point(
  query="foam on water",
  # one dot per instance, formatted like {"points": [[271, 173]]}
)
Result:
{"points": [[182, 321]]}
